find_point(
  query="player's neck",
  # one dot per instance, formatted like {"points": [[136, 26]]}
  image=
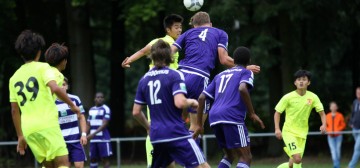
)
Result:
{"points": [[301, 92]]}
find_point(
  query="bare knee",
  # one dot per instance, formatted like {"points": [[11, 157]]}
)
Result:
{"points": [[297, 158]]}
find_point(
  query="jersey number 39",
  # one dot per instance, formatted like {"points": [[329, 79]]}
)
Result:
{"points": [[31, 86]]}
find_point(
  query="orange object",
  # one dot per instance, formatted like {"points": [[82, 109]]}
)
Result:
{"points": [[335, 123]]}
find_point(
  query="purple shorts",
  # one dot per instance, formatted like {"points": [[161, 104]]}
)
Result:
{"points": [[100, 150], [195, 84], [231, 136], [76, 152], [184, 151]]}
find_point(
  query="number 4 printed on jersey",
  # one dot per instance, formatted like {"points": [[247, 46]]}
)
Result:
{"points": [[202, 35]]}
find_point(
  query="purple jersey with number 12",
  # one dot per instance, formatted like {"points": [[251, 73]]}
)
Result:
{"points": [[228, 107], [201, 48], [157, 89]]}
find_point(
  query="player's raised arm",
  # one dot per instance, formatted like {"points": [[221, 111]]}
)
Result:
{"points": [[277, 125], [61, 94], [224, 58], [142, 52]]}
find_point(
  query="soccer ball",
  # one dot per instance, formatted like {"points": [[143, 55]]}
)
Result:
{"points": [[193, 5]]}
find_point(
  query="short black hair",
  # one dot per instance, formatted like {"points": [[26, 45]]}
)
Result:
{"points": [[28, 44], [171, 19], [161, 54], [56, 53], [242, 56], [302, 73]]}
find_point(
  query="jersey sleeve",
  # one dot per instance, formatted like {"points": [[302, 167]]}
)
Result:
{"points": [[152, 42], [317, 104], [48, 75], [12, 92], [210, 90], [248, 78], [107, 113], [178, 85], [282, 104], [179, 43], [79, 104], [140, 95], [223, 40]]}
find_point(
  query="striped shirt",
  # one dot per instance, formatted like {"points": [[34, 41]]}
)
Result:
{"points": [[68, 120], [96, 116]]}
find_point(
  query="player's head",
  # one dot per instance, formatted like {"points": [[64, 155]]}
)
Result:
{"points": [[242, 56], [302, 79], [161, 54], [333, 106], [99, 98], [200, 19], [358, 92], [173, 25], [56, 55], [65, 85], [29, 44]]}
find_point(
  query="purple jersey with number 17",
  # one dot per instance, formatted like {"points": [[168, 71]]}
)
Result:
{"points": [[157, 89], [228, 107], [201, 48]]}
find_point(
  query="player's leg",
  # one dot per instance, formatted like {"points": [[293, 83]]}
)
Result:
{"points": [[161, 155], [238, 140], [149, 150], [76, 154], [284, 165], [295, 147], [186, 153], [94, 155], [105, 151], [229, 156]]}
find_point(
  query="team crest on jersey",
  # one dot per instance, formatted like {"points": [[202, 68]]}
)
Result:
{"points": [[63, 113], [309, 101]]}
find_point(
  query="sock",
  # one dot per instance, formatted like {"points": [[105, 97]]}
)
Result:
{"points": [[284, 165], [224, 163], [93, 165], [242, 165], [296, 165]]}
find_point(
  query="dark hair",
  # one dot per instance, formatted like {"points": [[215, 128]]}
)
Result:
{"points": [[302, 73], [242, 56], [171, 19], [161, 54], [28, 44], [56, 53], [200, 18]]}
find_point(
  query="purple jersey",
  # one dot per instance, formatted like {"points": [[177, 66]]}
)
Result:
{"points": [[96, 116], [201, 48], [68, 120], [228, 106], [157, 89]]}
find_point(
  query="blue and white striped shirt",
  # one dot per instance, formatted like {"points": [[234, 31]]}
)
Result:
{"points": [[96, 116]]}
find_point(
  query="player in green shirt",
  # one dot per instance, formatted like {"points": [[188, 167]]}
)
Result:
{"points": [[173, 28], [31, 90], [297, 106]]}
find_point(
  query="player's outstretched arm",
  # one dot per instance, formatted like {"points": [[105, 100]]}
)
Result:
{"points": [[199, 123], [254, 68], [323, 121], [82, 122], [224, 58], [278, 133], [246, 98], [99, 129], [128, 60], [61, 94], [16, 117], [140, 117]]}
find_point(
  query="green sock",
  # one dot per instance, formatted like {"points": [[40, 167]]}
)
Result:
{"points": [[296, 165], [284, 165]]}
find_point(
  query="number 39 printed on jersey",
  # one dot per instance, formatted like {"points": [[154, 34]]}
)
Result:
{"points": [[32, 86]]}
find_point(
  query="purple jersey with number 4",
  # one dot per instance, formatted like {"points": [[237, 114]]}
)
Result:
{"points": [[201, 48], [228, 106], [157, 89]]}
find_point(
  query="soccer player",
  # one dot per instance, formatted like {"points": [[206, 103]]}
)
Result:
{"points": [[228, 112], [202, 45], [56, 56], [297, 106], [335, 122], [163, 90], [98, 120], [69, 124], [173, 28], [31, 90]]}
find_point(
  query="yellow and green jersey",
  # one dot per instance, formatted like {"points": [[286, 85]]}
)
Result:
{"points": [[297, 109], [59, 79], [170, 41], [28, 88]]}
